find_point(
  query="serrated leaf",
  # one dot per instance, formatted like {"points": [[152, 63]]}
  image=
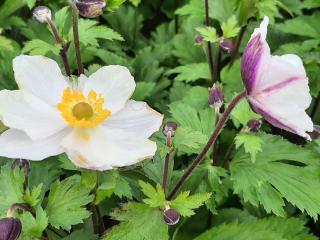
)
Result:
{"points": [[139, 221], [252, 144], [264, 229], [39, 47], [191, 72], [194, 8], [209, 34], [185, 204], [143, 90], [33, 197], [34, 226], [66, 203], [281, 171], [156, 196], [11, 187], [89, 33], [230, 28]]}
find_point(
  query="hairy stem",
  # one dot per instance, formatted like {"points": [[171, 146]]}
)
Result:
{"points": [[237, 45], [166, 163], [75, 26], [207, 147], [63, 52]]}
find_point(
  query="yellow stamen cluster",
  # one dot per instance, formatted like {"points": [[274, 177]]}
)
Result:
{"points": [[81, 111]]}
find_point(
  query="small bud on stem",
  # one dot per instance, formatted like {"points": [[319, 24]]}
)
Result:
{"points": [[254, 125], [90, 8], [216, 98], [22, 163], [226, 46], [42, 14], [10, 228], [171, 217]]}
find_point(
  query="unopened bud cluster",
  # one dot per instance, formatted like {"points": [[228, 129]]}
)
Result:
{"points": [[90, 8]]}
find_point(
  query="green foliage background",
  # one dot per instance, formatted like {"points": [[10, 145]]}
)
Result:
{"points": [[270, 189]]}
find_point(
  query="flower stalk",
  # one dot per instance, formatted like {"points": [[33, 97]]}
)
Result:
{"points": [[207, 147], [76, 40]]}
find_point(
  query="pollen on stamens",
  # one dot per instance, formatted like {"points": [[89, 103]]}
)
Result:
{"points": [[81, 111]]}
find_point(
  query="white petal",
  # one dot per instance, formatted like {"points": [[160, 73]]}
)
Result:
{"points": [[263, 28], [115, 83], [102, 149], [16, 144], [23, 111], [40, 76], [136, 118]]}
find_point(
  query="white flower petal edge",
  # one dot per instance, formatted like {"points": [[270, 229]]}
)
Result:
{"points": [[40, 76], [23, 111], [277, 86], [115, 83], [136, 118], [103, 149], [16, 144]]}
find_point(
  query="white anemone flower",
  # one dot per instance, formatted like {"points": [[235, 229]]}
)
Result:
{"points": [[94, 122], [277, 86]]}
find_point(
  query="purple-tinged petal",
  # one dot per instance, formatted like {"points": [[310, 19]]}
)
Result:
{"points": [[254, 56]]}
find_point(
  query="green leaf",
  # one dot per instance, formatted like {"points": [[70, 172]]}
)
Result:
{"points": [[221, 10], [5, 43], [33, 197], [191, 72], [243, 113], [264, 229], [230, 28], [209, 34], [156, 196], [66, 203], [252, 144], [39, 47], [89, 33], [185, 204], [188, 140], [139, 221], [112, 182], [143, 90], [11, 187], [33, 227], [194, 8], [281, 171], [114, 4]]}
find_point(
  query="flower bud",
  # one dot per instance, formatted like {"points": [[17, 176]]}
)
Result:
{"points": [[42, 14], [10, 228], [198, 39], [169, 127], [171, 217], [22, 163], [316, 132], [90, 8], [216, 97], [226, 46], [254, 125]]}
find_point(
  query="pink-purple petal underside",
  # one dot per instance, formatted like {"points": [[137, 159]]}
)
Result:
{"points": [[250, 62]]}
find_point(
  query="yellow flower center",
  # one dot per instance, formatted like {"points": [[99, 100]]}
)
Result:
{"points": [[81, 111]]}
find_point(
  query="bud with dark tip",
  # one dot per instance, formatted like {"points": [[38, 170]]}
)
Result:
{"points": [[198, 39], [42, 14], [216, 97], [169, 127], [226, 46], [90, 8], [22, 163], [254, 125], [10, 228], [171, 217]]}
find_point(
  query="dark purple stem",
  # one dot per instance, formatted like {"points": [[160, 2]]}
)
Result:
{"points": [[75, 20], [228, 155], [63, 52], [237, 45], [207, 147], [166, 163]]}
